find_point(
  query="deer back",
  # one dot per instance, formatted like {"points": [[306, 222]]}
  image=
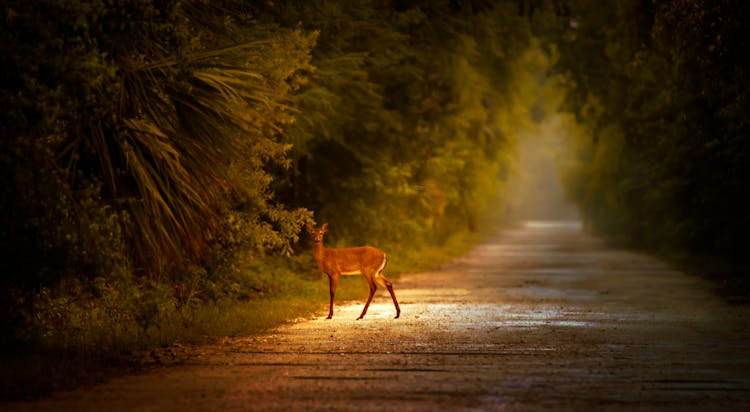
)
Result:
{"points": [[352, 260]]}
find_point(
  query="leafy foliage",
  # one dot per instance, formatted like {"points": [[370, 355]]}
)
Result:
{"points": [[406, 126], [660, 93], [157, 155], [138, 138]]}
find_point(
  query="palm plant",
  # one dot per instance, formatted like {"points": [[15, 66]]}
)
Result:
{"points": [[186, 124], [169, 110]]}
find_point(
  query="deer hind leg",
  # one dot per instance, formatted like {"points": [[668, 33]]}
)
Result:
{"points": [[333, 281], [380, 279], [373, 288]]}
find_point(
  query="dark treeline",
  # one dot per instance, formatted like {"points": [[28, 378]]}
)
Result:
{"points": [[154, 152], [660, 90]]}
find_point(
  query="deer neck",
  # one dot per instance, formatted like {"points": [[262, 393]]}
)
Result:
{"points": [[318, 250]]}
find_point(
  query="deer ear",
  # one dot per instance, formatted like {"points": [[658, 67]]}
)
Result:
{"points": [[308, 227], [324, 227]]}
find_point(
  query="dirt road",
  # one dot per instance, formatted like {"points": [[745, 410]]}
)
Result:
{"points": [[542, 318]]}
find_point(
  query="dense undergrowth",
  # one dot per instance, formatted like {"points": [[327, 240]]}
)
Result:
{"points": [[659, 95], [158, 160], [94, 331]]}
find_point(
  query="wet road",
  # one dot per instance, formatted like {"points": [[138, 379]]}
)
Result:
{"points": [[541, 318]]}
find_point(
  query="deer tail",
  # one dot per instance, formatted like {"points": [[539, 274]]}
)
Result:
{"points": [[385, 262]]}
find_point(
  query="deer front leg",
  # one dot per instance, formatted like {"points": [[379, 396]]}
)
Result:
{"points": [[333, 281]]}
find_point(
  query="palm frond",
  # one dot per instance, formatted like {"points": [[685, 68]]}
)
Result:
{"points": [[167, 63], [187, 121]]}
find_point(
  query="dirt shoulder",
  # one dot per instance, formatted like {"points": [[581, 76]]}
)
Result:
{"points": [[543, 317]]}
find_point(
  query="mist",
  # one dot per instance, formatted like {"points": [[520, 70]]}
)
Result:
{"points": [[535, 191]]}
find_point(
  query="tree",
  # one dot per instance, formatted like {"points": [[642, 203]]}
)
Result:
{"points": [[134, 132], [658, 88]]}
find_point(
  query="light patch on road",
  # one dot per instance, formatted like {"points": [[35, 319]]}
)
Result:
{"points": [[562, 224]]}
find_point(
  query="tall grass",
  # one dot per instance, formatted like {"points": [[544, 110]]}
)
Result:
{"points": [[82, 333], [89, 332]]}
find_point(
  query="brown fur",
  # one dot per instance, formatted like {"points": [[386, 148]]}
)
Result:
{"points": [[365, 260]]}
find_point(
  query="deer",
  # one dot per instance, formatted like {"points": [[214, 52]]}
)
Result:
{"points": [[365, 260]]}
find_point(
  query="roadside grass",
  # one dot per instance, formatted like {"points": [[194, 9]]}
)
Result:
{"points": [[431, 257], [97, 348], [83, 338], [729, 280]]}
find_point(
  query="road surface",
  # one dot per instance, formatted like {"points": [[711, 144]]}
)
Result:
{"points": [[543, 317]]}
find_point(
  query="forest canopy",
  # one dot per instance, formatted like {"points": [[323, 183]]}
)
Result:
{"points": [[153, 147]]}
